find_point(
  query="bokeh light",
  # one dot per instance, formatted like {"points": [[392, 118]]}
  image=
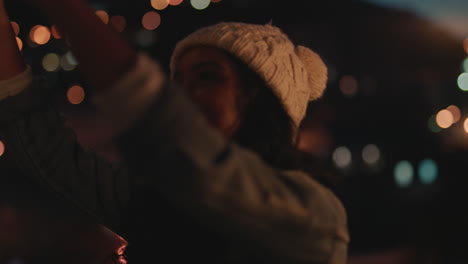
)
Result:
{"points": [[200, 4], [118, 23], [348, 85], [51, 62], [432, 124], [159, 4], [371, 154], [444, 118], [428, 171], [456, 113], [2, 148], [103, 15], [55, 32], [68, 62], [145, 38], [463, 81], [403, 174], [20, 43], [151, 20], [175, 2], [465, 125], [16, 27], [39, 34], [465, 65], [75, 94], [342, 157]]}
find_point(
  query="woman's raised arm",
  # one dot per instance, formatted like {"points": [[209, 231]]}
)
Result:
{"points": [[11, 62], [103, 54]]}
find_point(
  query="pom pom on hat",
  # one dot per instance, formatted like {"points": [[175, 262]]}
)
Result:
{"points": [[296, 75]]}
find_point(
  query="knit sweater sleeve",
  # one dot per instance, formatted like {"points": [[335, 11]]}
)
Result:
{"points": [[284, 215], [46, 151]]}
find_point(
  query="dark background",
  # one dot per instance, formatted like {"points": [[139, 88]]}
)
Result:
{"points": [[406, 70]]}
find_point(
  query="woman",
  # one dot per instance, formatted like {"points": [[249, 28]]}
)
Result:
{"points": [[212, 172]]}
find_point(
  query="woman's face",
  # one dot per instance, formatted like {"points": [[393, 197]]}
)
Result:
{"points": [[212, 81]]}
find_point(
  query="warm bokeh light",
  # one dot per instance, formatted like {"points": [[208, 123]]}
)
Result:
{"points": [[428, 171], [342, 157], [159, 4], [463, 81], [200, 4], [118, 23], [444, 118], [151, 20], [2, 148], [75, 94], [55, 32], [103, 15], [51, 62], [371, 154], [465, 125], [403, 174], [348, 85], [456, 113], [16, 27], [175, 2], [40, 34], [20, 43]]}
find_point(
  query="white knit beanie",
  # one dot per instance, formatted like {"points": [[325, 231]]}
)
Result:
{"points": [[296, 74]]}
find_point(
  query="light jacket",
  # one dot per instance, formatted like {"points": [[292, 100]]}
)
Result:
{"points": [[183, 191]]}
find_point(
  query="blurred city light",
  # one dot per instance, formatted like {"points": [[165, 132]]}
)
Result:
{"points": [[68, 62], [200, 4], [348, 85], [159, 4], [428, 171], [39, 34], [465, 125], [175, 2], [463, 81], [432, 124], [145, 38], [342, 157], [456, 113], [118, 23], [151, 20], [16, 27], [465, 64], [51, 62], [371, 154], [103, 15], [20, 43], [55, 32], [2, 148], [444, 118], [403, 174], [75, 94]]}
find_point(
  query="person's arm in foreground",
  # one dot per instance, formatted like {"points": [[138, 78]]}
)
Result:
{"points": [[44, 148], [170, 147], [12, 63]]}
